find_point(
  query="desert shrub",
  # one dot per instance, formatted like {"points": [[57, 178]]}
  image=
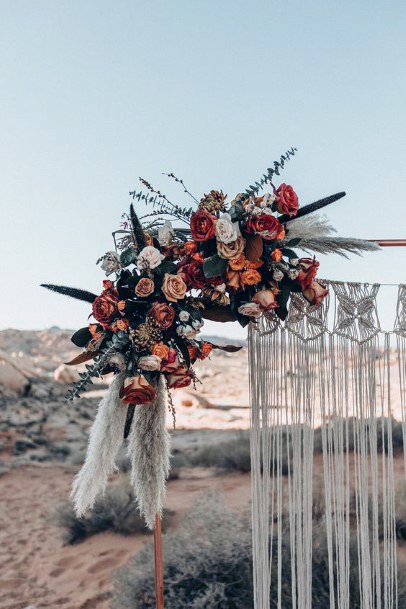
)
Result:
{"points": [[231, 454], [115, 511], [208, 565]]}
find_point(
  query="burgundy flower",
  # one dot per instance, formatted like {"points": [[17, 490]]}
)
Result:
{"points": [[265, 225], [202, 225], [287, 201]]}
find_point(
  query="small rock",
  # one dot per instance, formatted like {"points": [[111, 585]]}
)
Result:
{"points": [[66, 375]]}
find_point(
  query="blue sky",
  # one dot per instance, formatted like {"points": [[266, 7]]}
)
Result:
{"points": [[95, 94]]}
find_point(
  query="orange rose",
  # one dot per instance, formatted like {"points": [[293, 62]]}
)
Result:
{"points": [[190, 247], [250, 277], [237, 264], [144, 287], [160, 350], [136, 390], [276, 255], [198, 257], [315, 293], [233, 279], [192, 350], [281, 234], [163, 314], [123, 324], [266, 300], [174, 287], [254, 265], [206, 349]]}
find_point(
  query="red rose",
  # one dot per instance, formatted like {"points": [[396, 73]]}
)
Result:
{"points": [[163, 314], [182, 377], [192, 274], [105, 307], [205, 351], [307, 271], [137, 390], [265, 225], [287, 201], [171, 361], [315, 293], [202, 225]]}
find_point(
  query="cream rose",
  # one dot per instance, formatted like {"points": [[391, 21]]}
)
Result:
{"points": [[111, 263], [150, 363], [231, 250], [226, 230], [174, 287], [149, 258], [266, 300], [250, 309], [186, 331]]}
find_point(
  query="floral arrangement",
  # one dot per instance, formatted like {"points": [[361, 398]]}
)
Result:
{"points": [[224, 262]]}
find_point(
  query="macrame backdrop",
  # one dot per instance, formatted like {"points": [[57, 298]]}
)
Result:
{"points": [[330, 367]]}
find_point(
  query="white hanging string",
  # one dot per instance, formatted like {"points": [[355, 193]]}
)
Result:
{"points": [[334, 371]]}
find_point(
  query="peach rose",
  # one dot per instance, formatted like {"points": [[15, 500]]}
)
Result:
{"points": [[144, 287], [233, 279], [231, 250], [250, 309], [163, 314], [174, 287], [250, 277], [160, 350], [137, 390], [265, 299], [315, 293], [237, 264]]}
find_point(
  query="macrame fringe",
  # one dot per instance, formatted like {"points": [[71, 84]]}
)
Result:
{"points": [[303, 376]]}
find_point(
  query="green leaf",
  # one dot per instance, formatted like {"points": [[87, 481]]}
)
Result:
{"points": [[214, 266], [128, 256], [166, 267]]}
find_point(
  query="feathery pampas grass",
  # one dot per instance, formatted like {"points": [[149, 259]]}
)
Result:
{"points": [[148, 449], [105, 439], [315, 233]]}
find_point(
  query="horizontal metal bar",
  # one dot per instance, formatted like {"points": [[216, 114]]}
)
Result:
{"points": [[389, 242]]}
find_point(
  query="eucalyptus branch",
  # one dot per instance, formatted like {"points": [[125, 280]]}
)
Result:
{"points": [[253, 190]]}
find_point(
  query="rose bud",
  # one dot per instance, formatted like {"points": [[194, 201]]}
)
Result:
{"points": [[307, 271], [266, 300]]}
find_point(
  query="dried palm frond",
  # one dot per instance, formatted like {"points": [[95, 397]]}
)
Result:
{"points": [[309, 227], [72, 292], [337, 245]]}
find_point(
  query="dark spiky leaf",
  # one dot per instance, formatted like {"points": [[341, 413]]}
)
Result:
{"points": [[227, 348], [81, 337], [72, 292], [312, 207], [137, 229], [81, 358], [221, 314]]}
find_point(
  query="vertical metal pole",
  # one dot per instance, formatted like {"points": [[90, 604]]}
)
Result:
{"points": [[159, 568]]}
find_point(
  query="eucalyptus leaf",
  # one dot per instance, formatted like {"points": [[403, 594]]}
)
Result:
{"points": [[128, 256]]}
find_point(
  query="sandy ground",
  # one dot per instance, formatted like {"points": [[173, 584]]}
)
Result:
{"points": [[37, 570]]}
